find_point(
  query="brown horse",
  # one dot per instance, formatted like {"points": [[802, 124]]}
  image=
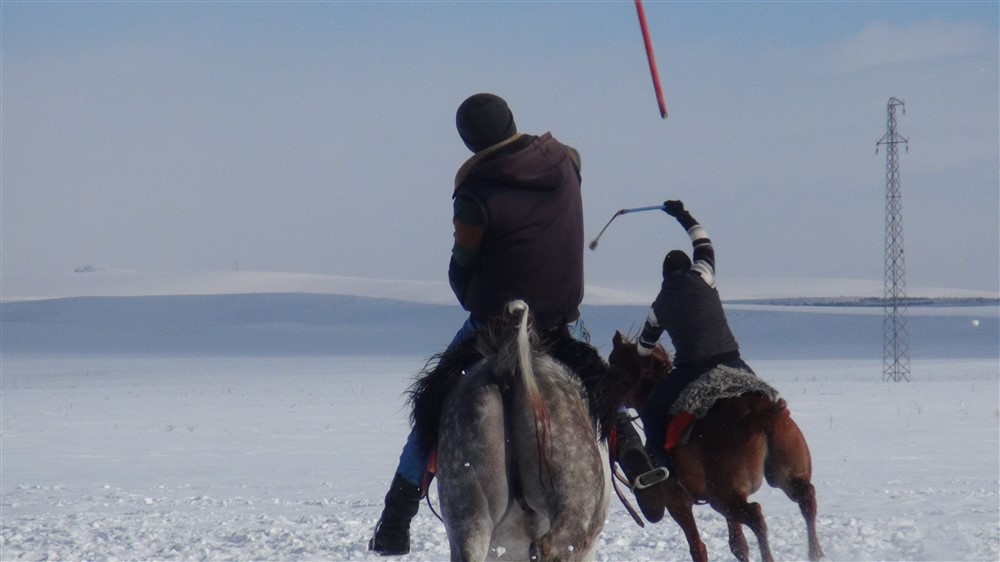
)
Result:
{"points": [[739, 442]]}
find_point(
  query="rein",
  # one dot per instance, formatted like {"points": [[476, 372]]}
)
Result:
{"points": [[431, 506]]}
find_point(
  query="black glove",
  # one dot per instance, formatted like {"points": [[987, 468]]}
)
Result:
{"points": [[674, 208]]}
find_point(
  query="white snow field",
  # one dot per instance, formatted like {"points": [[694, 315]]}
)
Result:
{"points": [[214, 425]]}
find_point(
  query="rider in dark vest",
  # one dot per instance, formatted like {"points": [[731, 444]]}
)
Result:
{"points": [[689, 309], [519, 232], [518, 219]]}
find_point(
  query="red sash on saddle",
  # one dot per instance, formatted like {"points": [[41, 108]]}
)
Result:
{"points": [[677, 428]]}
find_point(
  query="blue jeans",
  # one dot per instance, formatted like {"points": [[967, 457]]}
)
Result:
{"points": [[413, 460]]}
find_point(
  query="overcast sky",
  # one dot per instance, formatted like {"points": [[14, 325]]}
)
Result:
{"points": [[320, 138]]}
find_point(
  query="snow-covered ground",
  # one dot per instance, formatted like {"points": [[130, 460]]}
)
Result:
{"points": [[211, 425]]}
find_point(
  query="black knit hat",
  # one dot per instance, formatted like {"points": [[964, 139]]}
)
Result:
{"points": [[484, 120], [675, 262]]}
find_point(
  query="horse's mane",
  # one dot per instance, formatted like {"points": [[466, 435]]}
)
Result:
{"points": [[603, 390], [432, 385]]}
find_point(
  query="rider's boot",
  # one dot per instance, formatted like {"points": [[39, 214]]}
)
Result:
{"points": [[392, 532], [645, 479]]}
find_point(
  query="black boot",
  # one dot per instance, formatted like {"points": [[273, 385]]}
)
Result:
{"points": [[645, 479], [392, 532]]}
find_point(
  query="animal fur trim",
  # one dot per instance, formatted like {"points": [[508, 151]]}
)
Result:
{"points": [[717, 384]]}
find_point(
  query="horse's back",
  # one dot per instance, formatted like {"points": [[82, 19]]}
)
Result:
{"points": [[736, 422]]}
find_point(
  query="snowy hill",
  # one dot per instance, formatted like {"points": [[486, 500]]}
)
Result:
{"points": [[108, 312], [99, 281], [96, 281]]}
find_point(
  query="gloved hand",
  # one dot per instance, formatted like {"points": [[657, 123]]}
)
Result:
{"points": [[674, 208]]}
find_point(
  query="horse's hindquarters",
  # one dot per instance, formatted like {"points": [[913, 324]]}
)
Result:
{"points": [[513, 475], [472, 480], [788, 453], [569, 480]]}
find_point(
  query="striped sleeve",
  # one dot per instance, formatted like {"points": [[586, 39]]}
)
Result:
{"points": [[703, 255], [651, 332]]}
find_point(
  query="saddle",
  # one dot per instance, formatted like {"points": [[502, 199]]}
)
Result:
{"points": [[700, 395]]}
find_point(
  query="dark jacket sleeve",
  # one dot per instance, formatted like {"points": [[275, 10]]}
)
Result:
{"points": [[469, 220], [458, 278]]}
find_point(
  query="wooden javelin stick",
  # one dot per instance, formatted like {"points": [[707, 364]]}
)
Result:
{"points": [[652, 59]]}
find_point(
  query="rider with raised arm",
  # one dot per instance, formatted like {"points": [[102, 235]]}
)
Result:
{"points": [[689, 309]]}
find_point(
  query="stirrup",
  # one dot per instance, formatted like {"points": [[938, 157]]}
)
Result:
{"points": [[651, 478]]}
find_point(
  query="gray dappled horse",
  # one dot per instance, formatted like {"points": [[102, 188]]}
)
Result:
{"points": [[521, 471]]}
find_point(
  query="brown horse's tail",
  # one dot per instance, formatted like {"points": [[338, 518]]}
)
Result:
{"points": [[762, 412]]}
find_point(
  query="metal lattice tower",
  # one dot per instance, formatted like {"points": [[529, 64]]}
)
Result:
{"points": [[896, 360]]}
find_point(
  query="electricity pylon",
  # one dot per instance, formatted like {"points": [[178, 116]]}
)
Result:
{"points": [[895, 356]]}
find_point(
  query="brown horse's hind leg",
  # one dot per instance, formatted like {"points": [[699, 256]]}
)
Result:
{"points": [[802, 492], [789, 467], [679, 504], [737, 542], [738, 513], [755, 520]]}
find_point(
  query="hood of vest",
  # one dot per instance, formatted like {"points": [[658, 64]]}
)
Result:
{"points": [[535, 167]]}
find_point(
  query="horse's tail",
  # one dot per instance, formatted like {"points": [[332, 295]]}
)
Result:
{"points": [[524, 362], [763, 412], [523, 351]]}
